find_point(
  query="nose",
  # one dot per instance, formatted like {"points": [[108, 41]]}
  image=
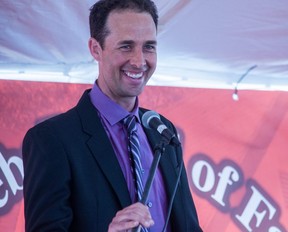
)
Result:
{"points": [[138, 59]]}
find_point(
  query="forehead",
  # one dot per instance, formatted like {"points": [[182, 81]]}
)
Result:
{"points": [[131, 25]]}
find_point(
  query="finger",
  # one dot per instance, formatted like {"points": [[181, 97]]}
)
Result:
{"points": [[131, 217], [122, 226], [137, 212]]}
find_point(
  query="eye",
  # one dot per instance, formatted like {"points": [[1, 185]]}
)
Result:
{"points": [[150, 47], [126, 47]]}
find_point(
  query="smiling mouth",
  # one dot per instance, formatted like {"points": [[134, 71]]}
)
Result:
{"points": [[134, 75]]}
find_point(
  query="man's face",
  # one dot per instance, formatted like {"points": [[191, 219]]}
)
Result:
{"points": [[129, 56]]}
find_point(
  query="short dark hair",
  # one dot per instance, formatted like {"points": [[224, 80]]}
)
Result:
{"points": [[100, 11]]}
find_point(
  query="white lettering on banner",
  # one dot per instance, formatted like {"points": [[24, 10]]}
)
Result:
{"points": [[216, 183], [8, 182], [3, 200], [274, 229], [210, 176], [228, 176], [251, 209]]}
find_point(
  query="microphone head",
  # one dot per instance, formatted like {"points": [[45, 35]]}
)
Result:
{"points": [[147, 117], [151, 120]]}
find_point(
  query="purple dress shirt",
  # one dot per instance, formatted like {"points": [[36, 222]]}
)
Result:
{"points": [[111, 115]]}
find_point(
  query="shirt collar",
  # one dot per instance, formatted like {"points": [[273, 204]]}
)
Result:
{"points": [[109, 109]]}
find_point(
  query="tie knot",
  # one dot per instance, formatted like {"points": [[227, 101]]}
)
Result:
{"points": [[130, 124]]}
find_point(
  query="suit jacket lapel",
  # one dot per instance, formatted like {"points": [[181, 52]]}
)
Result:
{"points": [[100, 147], [102, 150]]}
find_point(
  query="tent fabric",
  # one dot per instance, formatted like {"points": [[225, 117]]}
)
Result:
{"points": [[201, 43]]}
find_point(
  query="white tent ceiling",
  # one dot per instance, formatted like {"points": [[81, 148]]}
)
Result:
{"points": [[202, 43]]}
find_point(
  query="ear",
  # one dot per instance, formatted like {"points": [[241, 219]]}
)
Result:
{"points": [[95, 48]]}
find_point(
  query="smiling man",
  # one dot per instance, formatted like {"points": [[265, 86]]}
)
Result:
{"points": [[80, 168], [127, 59]]}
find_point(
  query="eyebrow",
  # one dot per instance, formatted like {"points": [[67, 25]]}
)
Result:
{"points": [[153, 42]]}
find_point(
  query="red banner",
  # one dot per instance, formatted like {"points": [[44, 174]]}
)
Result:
{"points": [[235, 152]]}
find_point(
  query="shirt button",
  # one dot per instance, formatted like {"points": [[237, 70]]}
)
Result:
{"points": [[142, 171], [149, 204]]}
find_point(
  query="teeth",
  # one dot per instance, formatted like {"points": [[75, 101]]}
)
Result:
{"points": [[134, 75]]}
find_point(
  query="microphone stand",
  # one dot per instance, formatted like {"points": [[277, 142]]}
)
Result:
{"points": [[158, 151]]}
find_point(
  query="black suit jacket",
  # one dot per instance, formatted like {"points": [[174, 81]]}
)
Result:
{"points": [[73, 181]]}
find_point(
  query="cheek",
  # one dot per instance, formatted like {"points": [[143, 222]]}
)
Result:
{"points": [[117, 58], [152, 62], [112, 58], [153, 57]]}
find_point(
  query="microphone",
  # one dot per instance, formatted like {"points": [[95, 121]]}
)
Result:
{"points": [[151, 120]]}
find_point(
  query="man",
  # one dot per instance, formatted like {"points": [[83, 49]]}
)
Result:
{"points": [[77, 166]]}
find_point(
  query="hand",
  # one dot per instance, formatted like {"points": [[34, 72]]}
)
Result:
{"points": [[131, 217]]}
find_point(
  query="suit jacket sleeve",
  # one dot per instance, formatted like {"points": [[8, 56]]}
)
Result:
{"points": [[46, 182]]}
